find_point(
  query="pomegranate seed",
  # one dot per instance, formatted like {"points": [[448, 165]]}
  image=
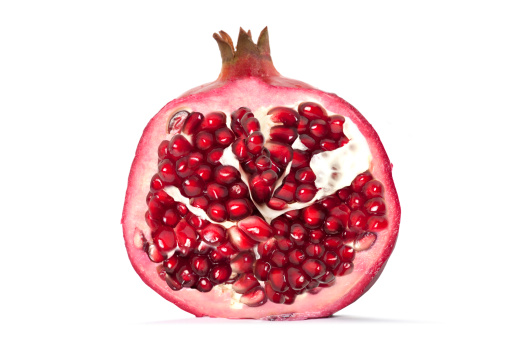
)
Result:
{"points": [[318, 128], [250, 125], [195, 159], [286, 192], [364, 241], [355, 201], [156, 183], [164, 239], [333, 225], [305, 175], [283, 134], [192, 122], [276, 204], [245, 282], [278, 280], [343, 194], [376, 223], [226, 174], [239, 239], [238, 209], [261, 192], [308, 141], [186, 276], [204, 285], [156, 209], [373, 189], [220, 274], [203, 140], [342, 212], [279, 259], [217, 212], [213, 234], [224, 137], [214, 156], [200, 265], [296, 256], [328, 144], [314, 250], [360, 180], [163, 150], [331, 259], [167, 172], [173, 283], [200, 202], [287, 116], [302, 125], [316, 236], [254, 297], [275, 297], [236, 117], [204, 172], [332, 243], [280, 153], [290, 297], [293, 214], [375, 206], [358, 220], [298, 234], [240, 150], [313, 216], [336, 123], [285, 244], [344, 268], [266, 249], [256, 228], [326, 279], [263, 163], [280, 227], [182, 209], [261, 270], [305, 192], [243, 262], [172, 263], [300, 159], [152, 223], [192, 186], [255, 142], [227, 249], [216, 191], [311, 111], [183, 169], [213, 121], [197, 222], [269, 177], [296, 278], [171, 218], [346, 253], [314, 268], [249, 166], [330, 202], [179, 146], [154, 254], [238, 190], [185, 236]]}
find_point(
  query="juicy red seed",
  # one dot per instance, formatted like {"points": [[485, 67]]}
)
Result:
{"points": [[239, 239], [376, 223], [328, 144], [149, 196], [163, 149], [280, 153], [171, 217], [375, 206], [263, 163], [298, 234], [172, 263], [214, 156], [236, 117], [216, 191], [238, 190], [204, 172], [333, 225], [331, 259], [164, 239], [276, 204], [305, 192], [163, 198], [308, 141], [213, 234], [343, 194], [360, 180], [196, 221], [203, 140], [273, 296], [302, 125], [327, 279], [330, 202], [173, 283], [154, 254], [227, 249], [254, 297], [342, 212], [344, 268], [192, 186], [243, 262], [255, 142], [373, 188], [314, 250], [213, 121], [204, 285], [305, 175], [279, 259], [226, 174], [283, 134], [346, 253], [336, 123], [300, 159], [245, 282], [269, 177], [156, 183], [297, 256], [314, 268], [278, 280], [185, 235], [186, 276], [285, 244], [355, 201], [220, 274], [224, 136], [192, 122], [316, 236], [313, 216], [217, 212], [297, 278], [167, 172], [256, 228], [152, 222], [311, 110], [261, 270], [286, 192], [265, 249], [280, 227], [249, 166], [179, 146], [200, 265], [238, 209], [182, 209], [183, 169], [287, 116], [240, 150], [156, 209], [332, 243], [357, 220], [318, 128], [250, 125], [276, 168], [195, 159], [293, 214]]}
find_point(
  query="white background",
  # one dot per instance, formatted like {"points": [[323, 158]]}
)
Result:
{"points": [[79, 81]]}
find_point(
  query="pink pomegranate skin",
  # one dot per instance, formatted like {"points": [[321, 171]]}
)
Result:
{"points": [[248, 79]]}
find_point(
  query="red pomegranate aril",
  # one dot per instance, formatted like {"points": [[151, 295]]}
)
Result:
{"points": [[154, 254], [330, 202], [192, 186], [305, 193], [171, 217], [286, 192], [213, 234], [328, 144], [249, 166], [355, 201], [195, 159], [239, 239], [357, 220], [293, 214], [226, 174], [238, 208], [186, 276], [305, 175], [224, 137], [314, 250], [285, 244], [255, 297], [156, 183], [331, 259], [318, 128], [280, 227], [173, 283], [308, 141], [182, 209], [255, 142], [213, 121], [240, 150], [360, 180], [179, 146], [204, 285], [376, 223], [279, 259], [200, 202], [269, 177], [243, 262], [156, 209], [192, 123], [314, 268], [287, 116], [343, 194], [256, 228], [204, 172], [185, 235], [164, 239], [336, 123], [273, 296], [196, 221], [311, 111], [278, 280], [167, 172], [296, 256], [200, 265], [152, 223], [346, 253], [183, 169], [163, 150], [214, 156], [263, 163], [277, 204], [290, 296], [203, 140], [300, 159], [333, 225], [219, 274], [316, 236], [238, 190], [342, 212], [327, 279], [283, 134], [244, 283], [297, 278], [280, 153], [216, 191], [260, 190], [303, 125], [364, 241], [298, 234], [313, 216], [344, 269], [261, 270], [217, 212], [375, 206], [373, 189], [172, 264], [250, 125]]}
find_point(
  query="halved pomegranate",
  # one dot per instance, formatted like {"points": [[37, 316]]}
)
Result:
{"points": [[257, 196]]}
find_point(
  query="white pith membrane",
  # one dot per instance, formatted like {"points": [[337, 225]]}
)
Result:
{"points": [[334, 170]]}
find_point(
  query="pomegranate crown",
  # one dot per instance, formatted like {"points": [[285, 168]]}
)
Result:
{"points": [[248, 59]]}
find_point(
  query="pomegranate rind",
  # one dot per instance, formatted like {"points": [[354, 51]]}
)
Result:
{"points": [[262, 94]]}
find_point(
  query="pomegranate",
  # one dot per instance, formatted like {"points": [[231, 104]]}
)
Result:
{"points": [[258, 196]]}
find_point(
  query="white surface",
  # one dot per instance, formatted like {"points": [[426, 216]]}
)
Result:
{"points": [[79, 81]]}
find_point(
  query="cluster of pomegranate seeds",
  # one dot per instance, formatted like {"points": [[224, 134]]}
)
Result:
{"points": [[301, 250]]}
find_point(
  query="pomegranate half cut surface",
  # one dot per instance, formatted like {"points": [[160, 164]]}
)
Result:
{"points": [[258, 196]]}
